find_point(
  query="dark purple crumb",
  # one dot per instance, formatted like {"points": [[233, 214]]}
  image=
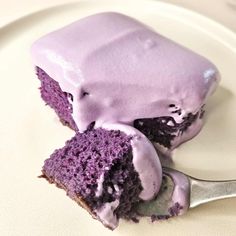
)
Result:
{"points": [[173, 211], [79, 164], [135, 219], [58, 100], [159, 217], [158, 130], [202, 112]]}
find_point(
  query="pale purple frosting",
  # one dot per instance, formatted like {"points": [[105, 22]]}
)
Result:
{"points": [[119, 70]]}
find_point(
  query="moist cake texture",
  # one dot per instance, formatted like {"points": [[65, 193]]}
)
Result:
{"points": [[100, 169]]}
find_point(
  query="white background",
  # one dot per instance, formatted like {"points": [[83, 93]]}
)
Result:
{"points": [[224, 11]]}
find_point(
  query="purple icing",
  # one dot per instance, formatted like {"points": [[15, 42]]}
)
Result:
{"points": [[78, 166]]}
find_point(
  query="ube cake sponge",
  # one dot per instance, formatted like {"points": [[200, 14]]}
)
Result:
{"points": [[107, 171]]}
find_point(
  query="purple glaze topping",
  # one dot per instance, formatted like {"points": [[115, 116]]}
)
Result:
{"points": [[122, 71]]}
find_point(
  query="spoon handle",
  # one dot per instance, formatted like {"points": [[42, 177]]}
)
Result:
{"points": [[203, 191]]}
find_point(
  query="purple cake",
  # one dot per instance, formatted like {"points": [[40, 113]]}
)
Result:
{"points": [[122, 71], [124, 89], [101, 170]]}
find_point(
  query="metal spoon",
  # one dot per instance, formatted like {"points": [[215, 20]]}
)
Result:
{"points": [[195, 191]]}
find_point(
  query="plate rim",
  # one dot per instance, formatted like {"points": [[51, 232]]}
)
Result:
{"points": [[227, 36]]}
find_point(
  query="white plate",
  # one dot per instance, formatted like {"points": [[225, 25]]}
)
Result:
{"points": [[30, 131]]}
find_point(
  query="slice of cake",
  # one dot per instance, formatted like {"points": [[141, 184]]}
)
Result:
{"points": [[107, 171], [110, 68]]}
